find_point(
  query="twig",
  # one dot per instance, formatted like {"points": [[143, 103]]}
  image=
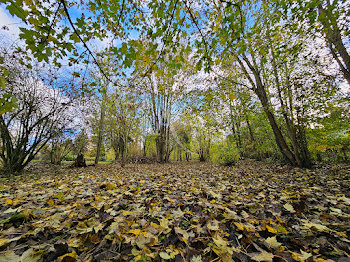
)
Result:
{"points": [[52, 23], [199, 30], [85, 45]]}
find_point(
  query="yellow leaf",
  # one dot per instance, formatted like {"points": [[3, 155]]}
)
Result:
{"points": [[68, 257], [110, 186], [271, 229], [224, 253], [50, 203], [220, 242], [282, 230], [239, 226], [232, 97], [301, 257], [125, 212], [136, 231], [322, 148], [341, 234], [318, 227], [319, 259], [3, 241], [9, 201]]}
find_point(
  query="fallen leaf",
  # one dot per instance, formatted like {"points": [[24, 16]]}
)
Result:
{"points": [[4, 241], [9, 256], [30, 255], [318, 227], [262, 256], [289, 207], [213, 225], [164, 255], [301, 257], [272, 242], [271, 229], [196, 258]]}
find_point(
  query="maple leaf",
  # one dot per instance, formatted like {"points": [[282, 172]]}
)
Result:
{"points": [[272, 242], [302, 256], [213, 225], [289, 207], [262, 256]]}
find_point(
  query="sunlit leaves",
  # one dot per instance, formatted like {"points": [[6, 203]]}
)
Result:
{"points": [[16, 9], [8, 102]]}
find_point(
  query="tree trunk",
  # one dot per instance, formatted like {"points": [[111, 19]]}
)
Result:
{"points": [[334, 38], [252, 138], [344, 154], [281, 142], [99, 137], [160, 145], [260, 91], [300, 152], [187, 155], [80, 161]]}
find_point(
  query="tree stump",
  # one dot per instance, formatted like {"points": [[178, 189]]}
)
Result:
{"points": [[80, 161]]}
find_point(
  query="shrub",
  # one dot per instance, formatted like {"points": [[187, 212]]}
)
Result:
{"points": [[225, 154]]}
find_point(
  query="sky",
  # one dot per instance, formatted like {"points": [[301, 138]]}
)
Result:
{"points": [[11, 23]]}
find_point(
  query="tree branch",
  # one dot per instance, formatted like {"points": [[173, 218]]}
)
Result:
{"points": [[85, 45]]}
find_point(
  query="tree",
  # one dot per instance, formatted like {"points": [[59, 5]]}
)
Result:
{"points": [[122, 120], [59, 148], [81, 143], [162, 88], [41, 116], [182, 134], [246, 33], [97, 121], [328, 18]]}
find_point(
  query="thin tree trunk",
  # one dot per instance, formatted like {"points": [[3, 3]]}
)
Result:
{"points": [[100, 132], [260, 91]]}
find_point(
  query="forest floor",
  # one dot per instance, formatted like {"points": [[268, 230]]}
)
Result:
{"points": [[176, 212]]}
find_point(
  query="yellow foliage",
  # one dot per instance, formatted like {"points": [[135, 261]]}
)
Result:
{"points": [[322, 148]]}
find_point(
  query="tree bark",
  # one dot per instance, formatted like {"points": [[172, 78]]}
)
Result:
{"points": [[100, 131], [334, 38]]}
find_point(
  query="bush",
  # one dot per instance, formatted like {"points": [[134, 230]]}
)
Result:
{"points": [[69, 157], [225, 154]]}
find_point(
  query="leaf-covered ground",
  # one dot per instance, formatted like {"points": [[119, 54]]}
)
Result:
{"points": [[177, 212]]}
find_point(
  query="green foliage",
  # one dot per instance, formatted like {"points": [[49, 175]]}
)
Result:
{"points": [[225, 153], [8, 103], [80, 143], [150, 145], [330, 139]]}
